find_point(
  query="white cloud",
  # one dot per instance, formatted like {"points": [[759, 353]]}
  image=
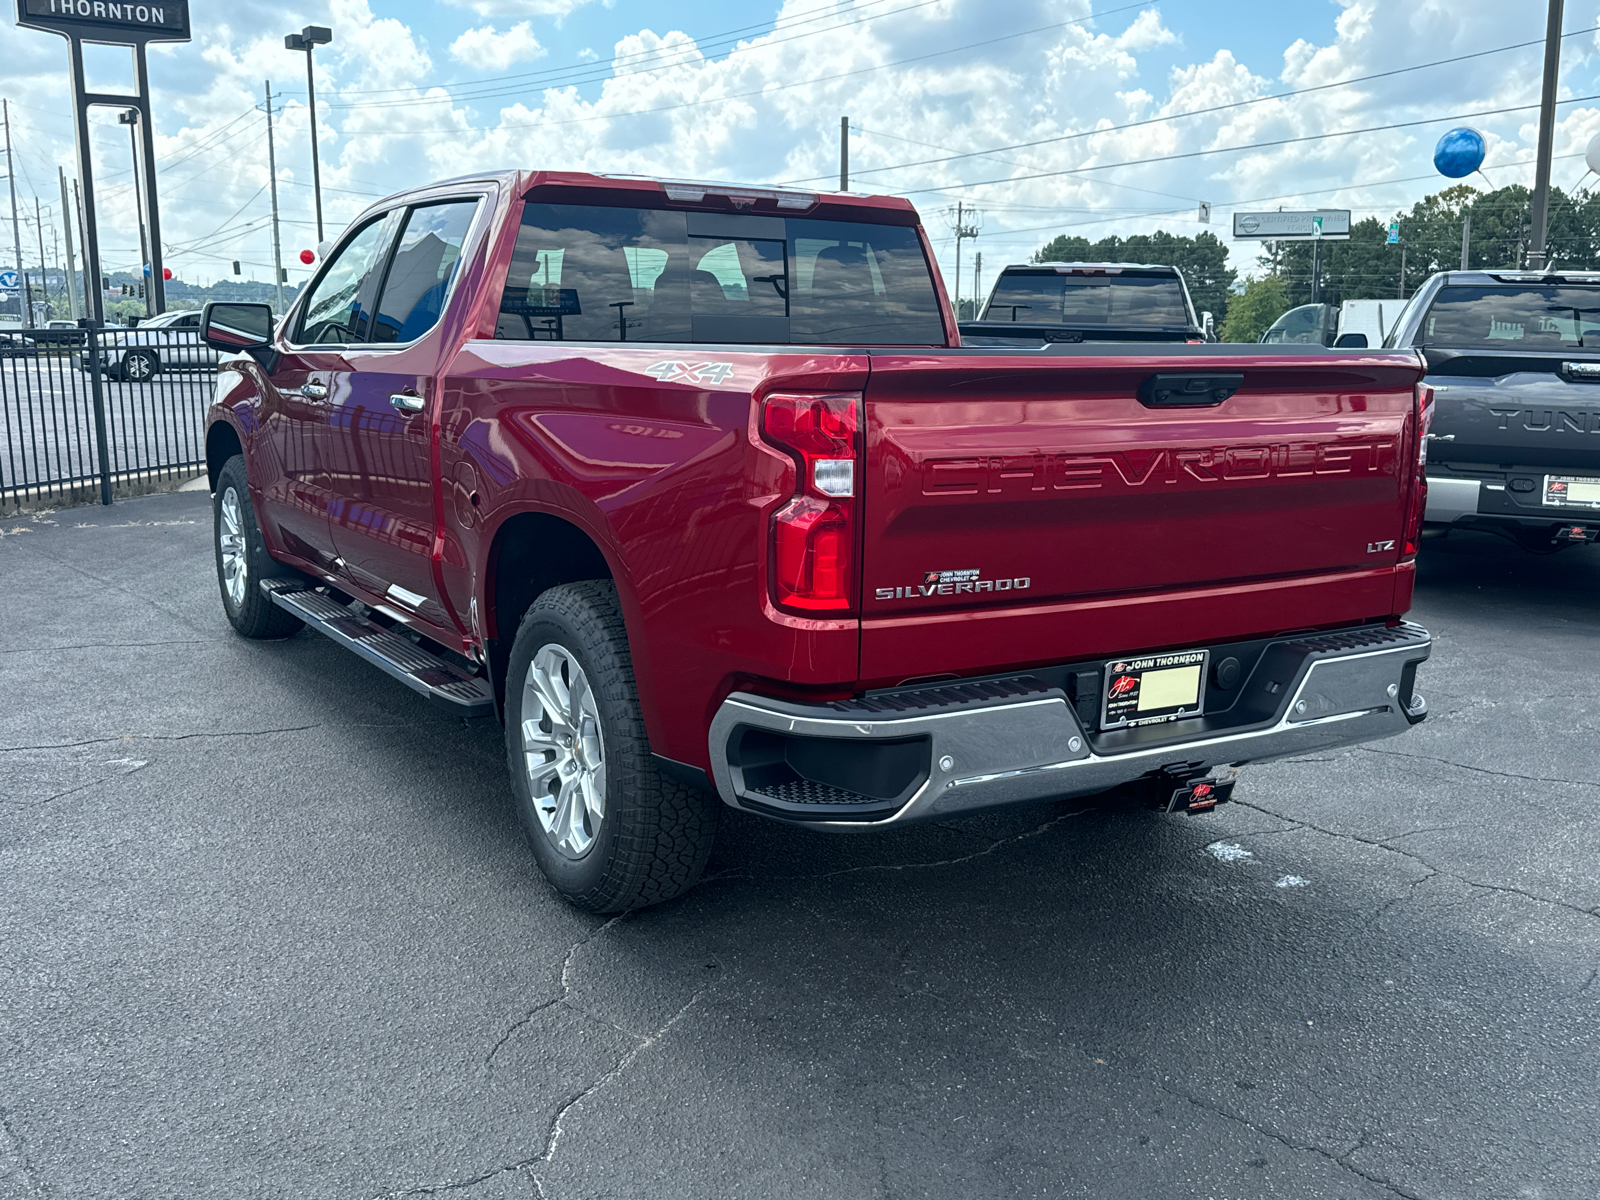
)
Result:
{"points": [[489, 50], [520, 8], [769, 111]]}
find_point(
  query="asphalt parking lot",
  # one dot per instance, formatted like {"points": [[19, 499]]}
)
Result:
{"points": [[268, 929]]}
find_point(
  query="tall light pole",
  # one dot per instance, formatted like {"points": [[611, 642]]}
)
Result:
{"points": [[307, 39], [130, 118]]}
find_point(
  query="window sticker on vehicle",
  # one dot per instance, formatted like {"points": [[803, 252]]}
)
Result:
{"points": [[1147, 691], [1571, 491]]}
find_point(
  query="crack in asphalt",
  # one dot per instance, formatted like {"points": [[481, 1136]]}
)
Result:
{"points": [[103, 646], [185, 737], [1479, 770], [1432, 867], [994, 845], [553, 1135], [29, 1171], [1340, 1160], [566, 990]]}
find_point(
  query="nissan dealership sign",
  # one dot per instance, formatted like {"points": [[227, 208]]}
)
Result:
{"points": [[1332, 224]]}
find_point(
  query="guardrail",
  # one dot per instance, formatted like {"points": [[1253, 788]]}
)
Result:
{"points": [[91, 413]]}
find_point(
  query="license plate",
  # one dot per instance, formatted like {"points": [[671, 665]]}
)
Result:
{"points": [[1160, 687], [1571, 491]]}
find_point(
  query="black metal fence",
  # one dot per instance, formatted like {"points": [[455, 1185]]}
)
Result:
{"points": [[87, 414]]}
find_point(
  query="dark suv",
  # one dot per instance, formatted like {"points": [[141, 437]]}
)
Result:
{"points": [[1515, 443]]}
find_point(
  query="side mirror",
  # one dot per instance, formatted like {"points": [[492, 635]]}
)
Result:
{"points": [[240, 329], [1351, 341], [1208, 327]]}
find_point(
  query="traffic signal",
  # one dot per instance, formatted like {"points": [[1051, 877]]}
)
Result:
{"points": [[236, 270]]}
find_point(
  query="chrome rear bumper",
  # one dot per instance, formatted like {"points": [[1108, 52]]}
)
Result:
{"points": [[915, 754]]}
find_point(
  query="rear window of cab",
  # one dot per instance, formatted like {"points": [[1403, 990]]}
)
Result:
{"points": [[613, 274]]}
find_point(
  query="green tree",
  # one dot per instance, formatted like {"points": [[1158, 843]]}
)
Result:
{"points": [[1363, 268], [1203, 260], [1251, 313]]}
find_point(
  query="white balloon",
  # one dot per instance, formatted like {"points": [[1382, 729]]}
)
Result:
{"points": [[1592, 154]]}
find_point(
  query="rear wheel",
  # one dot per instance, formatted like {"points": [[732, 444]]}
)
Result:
{"points": [[140, 366], [242, 560], [607, 828]]}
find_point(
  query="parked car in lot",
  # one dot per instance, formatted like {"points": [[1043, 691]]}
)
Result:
{"points": [[698, 491], [168, 342], [1514, 361], [1068, 302]]}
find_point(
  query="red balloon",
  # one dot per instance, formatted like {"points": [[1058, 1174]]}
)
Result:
{"points": [[308, 257], [166, 272]]}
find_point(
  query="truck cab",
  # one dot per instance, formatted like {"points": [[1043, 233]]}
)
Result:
{"points": [[1513, 360]]}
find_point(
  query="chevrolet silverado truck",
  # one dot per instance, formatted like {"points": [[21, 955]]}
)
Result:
{"points": [[1515, 444], [1069, 302], [696, 490]]}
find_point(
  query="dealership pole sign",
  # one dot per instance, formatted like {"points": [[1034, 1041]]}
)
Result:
{"points": [[108, 21], [113, 23], [1322, 224]]}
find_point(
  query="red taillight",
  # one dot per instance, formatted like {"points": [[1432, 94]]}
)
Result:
{"points": [[1419, 480], [814, 534]]}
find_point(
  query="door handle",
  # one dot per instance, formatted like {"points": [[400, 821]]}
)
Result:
{"points": [[314, 391], [406, 401]]}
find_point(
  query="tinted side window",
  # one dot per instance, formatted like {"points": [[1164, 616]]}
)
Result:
{"points": [[597, 275], [867, 284], [424, 265], [582, 273], [332, 314]]}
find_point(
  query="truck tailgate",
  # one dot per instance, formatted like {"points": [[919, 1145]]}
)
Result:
{"points": [[1036, 508]]}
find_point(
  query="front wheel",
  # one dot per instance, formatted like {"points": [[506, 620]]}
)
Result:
{"points": [[242, 560], [607, 828]]}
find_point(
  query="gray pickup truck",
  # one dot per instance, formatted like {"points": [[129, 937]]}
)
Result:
{"points": [[1515, 443]]}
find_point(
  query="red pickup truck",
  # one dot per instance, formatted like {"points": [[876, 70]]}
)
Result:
{"points": [[696, 490]]}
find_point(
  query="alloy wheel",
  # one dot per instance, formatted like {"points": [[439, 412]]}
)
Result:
{"points": [[563, 750], [231, 545]]}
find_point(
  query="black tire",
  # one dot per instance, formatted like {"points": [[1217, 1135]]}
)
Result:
{"points": [[140, 366], [654, 835], [248, 609]]}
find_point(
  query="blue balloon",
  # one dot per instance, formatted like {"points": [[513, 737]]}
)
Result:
{"points": [[1459, 153]]}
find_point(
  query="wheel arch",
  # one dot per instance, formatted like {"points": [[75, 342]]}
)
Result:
{"points": [[222, 443], [530, 552]]}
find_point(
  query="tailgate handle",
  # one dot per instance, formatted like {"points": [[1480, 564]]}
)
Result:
{"points": [[1188, 391]]}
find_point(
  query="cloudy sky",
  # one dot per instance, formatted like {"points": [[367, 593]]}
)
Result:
{"points": [[994, 105]]}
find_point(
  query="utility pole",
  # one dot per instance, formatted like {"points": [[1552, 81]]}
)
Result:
{"points": [[272, 178], [977, 283], [844, 154], [66, 227], [1537, 258], [963, 231], [1466, 238], [44, 281], [16, 227]]}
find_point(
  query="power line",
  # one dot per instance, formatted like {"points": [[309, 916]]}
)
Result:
{"points": [[1087, 133], [779, 87], [591, 72], [623, 59], [1167, 158]]}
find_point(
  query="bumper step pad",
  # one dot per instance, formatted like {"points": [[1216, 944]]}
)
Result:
{"points": [[455, 690]]}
